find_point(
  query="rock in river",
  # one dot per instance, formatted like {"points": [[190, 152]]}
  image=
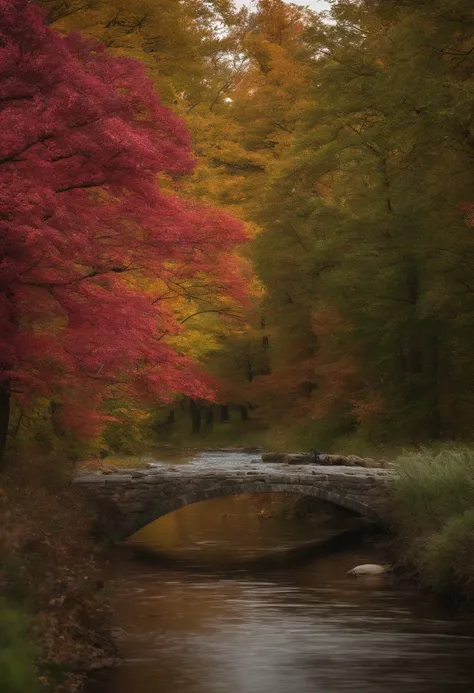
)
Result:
{"points": [[368, 569]]}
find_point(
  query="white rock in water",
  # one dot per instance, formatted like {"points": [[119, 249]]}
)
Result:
{"points": [[368, 569]]}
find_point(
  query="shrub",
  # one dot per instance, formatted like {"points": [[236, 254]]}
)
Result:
{"points": [[434, 514], [448, 557]]}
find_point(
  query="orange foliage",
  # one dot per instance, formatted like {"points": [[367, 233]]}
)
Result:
{"points": [[338, 371]]}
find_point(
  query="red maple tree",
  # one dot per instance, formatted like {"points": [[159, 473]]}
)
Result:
{"points": [[86, 232]]}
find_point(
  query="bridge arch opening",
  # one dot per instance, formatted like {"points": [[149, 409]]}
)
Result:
{"points": [[160, 508]]}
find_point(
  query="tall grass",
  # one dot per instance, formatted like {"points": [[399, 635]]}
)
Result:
{"points": [[434, 514]]}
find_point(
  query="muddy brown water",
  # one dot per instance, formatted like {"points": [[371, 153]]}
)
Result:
{"points": [[204, 625]]}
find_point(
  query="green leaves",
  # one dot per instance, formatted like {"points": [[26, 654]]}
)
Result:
{"points": [[371, 189]]}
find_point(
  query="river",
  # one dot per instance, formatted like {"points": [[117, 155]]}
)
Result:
{"points": [[207, 620]]}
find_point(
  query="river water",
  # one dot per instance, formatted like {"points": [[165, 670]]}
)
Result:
{"points": [[209, 620]]}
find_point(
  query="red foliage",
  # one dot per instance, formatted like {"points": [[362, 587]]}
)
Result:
{"points": [[84, 227]]}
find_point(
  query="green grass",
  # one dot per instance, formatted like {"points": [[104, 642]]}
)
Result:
{"points": [[434, 514]]}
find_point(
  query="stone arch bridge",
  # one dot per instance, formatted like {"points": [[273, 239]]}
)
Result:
{"points": [[131, 499]]}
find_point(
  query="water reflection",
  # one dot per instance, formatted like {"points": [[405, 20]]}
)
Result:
{"points": [[241, 527], [305, 629]]}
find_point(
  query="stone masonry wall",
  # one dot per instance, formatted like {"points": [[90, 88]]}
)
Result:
{"points": [[128, 501]]}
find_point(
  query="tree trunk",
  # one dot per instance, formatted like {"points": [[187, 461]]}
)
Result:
{"points": [[171, 419], [4, 420], [435, 422], [55, 411], [210, 415], [224, 413], [249, 371], [244, 413], [195, 411]]}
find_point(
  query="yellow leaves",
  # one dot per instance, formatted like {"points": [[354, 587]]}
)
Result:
{"points": [[279, 22], [132, 412], [210, 184], [227, 173], [257, 289], [133, 416], [215, 133], [163, 34], [202, 326], [196, 343]]}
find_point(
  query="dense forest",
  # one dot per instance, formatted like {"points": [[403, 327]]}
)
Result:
{"points": [[253, 224], [227, 224]]}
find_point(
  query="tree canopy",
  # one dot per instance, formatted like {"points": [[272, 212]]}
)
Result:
{"points": [[91, 248], [343, 144]]}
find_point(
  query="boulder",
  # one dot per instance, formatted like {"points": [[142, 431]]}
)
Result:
{"points": [[299, 458], [274, 457], [323, 459], [385, 464], [354, 458], [368, 569], [362, 461], [332, 459]]}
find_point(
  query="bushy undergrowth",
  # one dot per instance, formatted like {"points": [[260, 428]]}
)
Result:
{"points": [[434, 515], [48, 570]]}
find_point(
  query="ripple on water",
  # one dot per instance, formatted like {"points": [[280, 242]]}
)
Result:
{"points": [[211, 633]]}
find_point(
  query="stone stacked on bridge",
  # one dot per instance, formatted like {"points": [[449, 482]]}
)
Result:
{"points": [[131, 499]]}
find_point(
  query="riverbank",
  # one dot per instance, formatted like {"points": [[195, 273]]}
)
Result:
{"points": [[430, 536], [433, 520], [55, 613]]}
